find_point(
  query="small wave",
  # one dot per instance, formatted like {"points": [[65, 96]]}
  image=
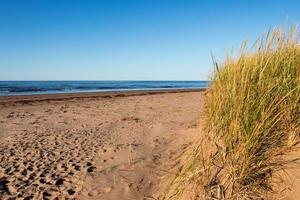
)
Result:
{"points": [[52, 87]]}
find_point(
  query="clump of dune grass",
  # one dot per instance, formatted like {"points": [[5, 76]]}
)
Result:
{"points": [[253, 122]]}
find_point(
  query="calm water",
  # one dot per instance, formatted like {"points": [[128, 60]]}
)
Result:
{"points": [[53, 87]]}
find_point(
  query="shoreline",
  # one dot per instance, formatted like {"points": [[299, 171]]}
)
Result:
{"points": [[86, 95]]}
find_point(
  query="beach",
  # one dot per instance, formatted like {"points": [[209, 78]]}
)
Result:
{"points": [[113, 145]]}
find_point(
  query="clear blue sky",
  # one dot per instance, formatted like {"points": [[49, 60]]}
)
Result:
{"points": [[128, 39]]}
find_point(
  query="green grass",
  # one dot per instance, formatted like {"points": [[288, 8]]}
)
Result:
{"points": [[253, 121]]}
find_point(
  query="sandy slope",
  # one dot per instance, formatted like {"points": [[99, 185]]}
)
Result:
{"points": [[93, 148]]}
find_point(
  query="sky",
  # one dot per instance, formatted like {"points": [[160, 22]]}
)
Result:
{"points": [[128, 39]]}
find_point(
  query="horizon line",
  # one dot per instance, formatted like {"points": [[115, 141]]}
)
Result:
{"points": [[100, 80]]}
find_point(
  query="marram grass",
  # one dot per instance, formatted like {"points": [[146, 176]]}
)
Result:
{"points": [[253, 122]]}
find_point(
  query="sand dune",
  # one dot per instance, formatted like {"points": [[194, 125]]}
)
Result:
{"points": [[93, 148]]}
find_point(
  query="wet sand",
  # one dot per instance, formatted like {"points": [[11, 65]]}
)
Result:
{"points": [[114, 145]]}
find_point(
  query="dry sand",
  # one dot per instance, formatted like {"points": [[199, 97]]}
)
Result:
{"points": [[92, 146]]}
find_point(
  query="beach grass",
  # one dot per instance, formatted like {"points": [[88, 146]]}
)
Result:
{"points": [[253, 122]]}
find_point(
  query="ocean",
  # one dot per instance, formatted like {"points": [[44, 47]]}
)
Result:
{"points": [[10, 88]]}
